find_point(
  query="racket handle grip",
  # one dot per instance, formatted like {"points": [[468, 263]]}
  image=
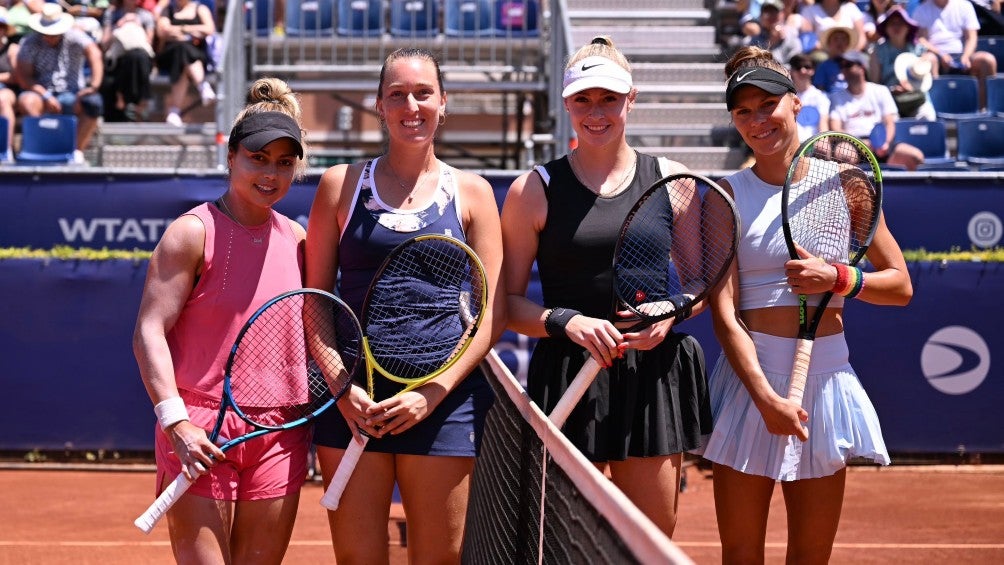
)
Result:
{"points": [[343, 473], [800, 370], [164, 502], [577, 388]]}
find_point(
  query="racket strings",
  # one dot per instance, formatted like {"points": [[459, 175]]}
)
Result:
{"points": [[676, 244], [293, 359], [423, 305], [832, 208]]}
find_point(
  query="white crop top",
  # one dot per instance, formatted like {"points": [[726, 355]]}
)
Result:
{"points": [[762, 252]]}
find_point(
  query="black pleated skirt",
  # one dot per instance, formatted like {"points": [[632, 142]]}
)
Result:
{"points": [[650, 403]]}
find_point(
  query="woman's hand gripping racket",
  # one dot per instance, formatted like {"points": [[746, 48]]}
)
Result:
{"points": [[422, 310], [831, 202], [674, 246], [291, 361]]}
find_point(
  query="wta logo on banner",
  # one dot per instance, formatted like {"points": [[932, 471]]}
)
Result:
{"points": [[955, 360]]}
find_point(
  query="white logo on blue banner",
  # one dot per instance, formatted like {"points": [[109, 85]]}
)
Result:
{"points": [[955, 360], [984, 229]]}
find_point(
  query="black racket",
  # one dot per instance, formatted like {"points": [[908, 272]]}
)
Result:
{"points": [[676, 243], [421, 313], [831, 202], [292, 359]]}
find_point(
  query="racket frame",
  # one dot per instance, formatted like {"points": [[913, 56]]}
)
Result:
{"points": [[807, 327]]}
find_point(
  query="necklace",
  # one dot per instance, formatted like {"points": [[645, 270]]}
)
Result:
{"points": [[573, 160], [415, 188], [255, 239]]}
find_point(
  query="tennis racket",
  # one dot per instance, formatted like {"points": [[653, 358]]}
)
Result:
{"points": [[831, 202], [291, 360], [676, 243], [421, 313]]}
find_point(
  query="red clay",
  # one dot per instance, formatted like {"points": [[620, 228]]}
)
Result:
{"points": [[901, 515]]}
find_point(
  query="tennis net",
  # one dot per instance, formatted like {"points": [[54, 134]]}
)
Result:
{"points": [[536, 499]]}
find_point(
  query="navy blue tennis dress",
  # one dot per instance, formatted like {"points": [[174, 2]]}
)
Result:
{"points": [[650, 403], [372, 230]]}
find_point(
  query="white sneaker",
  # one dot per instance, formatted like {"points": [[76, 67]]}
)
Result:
{"points": [[78, 157], [174, 119], [207, 93]]}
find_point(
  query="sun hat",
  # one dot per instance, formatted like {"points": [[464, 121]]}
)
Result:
{"points": [[900, 11], [258, 130], [596, 72], [915, 70], [824, 36], [52, 20]]}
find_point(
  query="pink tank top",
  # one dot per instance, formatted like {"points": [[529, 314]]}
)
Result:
{"points": [[241, 271]]}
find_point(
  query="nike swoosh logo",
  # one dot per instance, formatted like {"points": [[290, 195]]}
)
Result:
{"points": [[744, 75], [587, 67]]}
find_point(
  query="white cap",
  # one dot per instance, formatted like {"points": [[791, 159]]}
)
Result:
{"points": [[596, 72]]}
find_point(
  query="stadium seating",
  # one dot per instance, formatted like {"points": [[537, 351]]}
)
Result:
{"points": [[955, 97], [48, 139], [995, 96], [4, 141], [516, 18], [993, 44], [930, 137], [981, 141], [360, 18], [469, 18], [310, 18], [414, 18], [258, 16]]}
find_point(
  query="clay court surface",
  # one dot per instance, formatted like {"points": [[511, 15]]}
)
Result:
{"points": [[900, 515]]}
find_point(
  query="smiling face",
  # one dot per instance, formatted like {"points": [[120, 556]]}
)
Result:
{"points": [[766, 121], [599, 115], [411, 101], [262, 178]]}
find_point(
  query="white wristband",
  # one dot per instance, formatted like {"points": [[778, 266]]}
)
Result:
{"points": [[170, 412]]}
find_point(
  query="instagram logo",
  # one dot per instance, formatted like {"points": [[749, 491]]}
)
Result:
{"points": [[985, 229]]}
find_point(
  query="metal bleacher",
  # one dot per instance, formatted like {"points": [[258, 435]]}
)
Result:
{"points": [[503, 80]]}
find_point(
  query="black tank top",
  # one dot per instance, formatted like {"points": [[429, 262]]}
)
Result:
{"points": [[576, 247]]}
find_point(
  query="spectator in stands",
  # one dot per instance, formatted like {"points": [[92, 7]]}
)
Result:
{"points": [[863, 105], [50, 69], [826, 14], [898, 32], [872, 15], [837, 41], [774, 35], [183, 29], [948, 30], [426, 439], [128, 45], [214, 266], [88, 15], [814, 101], [18, 15], [565, 215], [756, 320], [8, 79]]}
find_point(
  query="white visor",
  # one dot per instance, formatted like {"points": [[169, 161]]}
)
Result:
{"points": [[596, 72]]}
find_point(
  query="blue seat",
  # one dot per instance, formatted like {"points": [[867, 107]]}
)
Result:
{"points": [[360, 18], [930, 137], [48, 140], [516, 18], [258, 16], [4, 139], [995, 95], [414, 18], [469, 18], [981, 141], [310, 18], [993, 44], [955, 97]]}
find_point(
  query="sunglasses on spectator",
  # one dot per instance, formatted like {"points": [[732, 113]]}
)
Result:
{"points": [[847, 64], [801, 67]]}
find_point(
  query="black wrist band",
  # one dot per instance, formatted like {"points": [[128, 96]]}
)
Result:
{"points": [[682, 315], [557, 319]]}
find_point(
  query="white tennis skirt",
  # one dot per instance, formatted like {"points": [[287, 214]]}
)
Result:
{"points": [[843, 424]]}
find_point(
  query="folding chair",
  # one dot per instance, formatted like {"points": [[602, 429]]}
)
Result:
{"points": [[981, 141], [48, 139]]}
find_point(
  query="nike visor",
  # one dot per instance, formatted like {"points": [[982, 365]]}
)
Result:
{"points": [[596, 72], [763, 78]]}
